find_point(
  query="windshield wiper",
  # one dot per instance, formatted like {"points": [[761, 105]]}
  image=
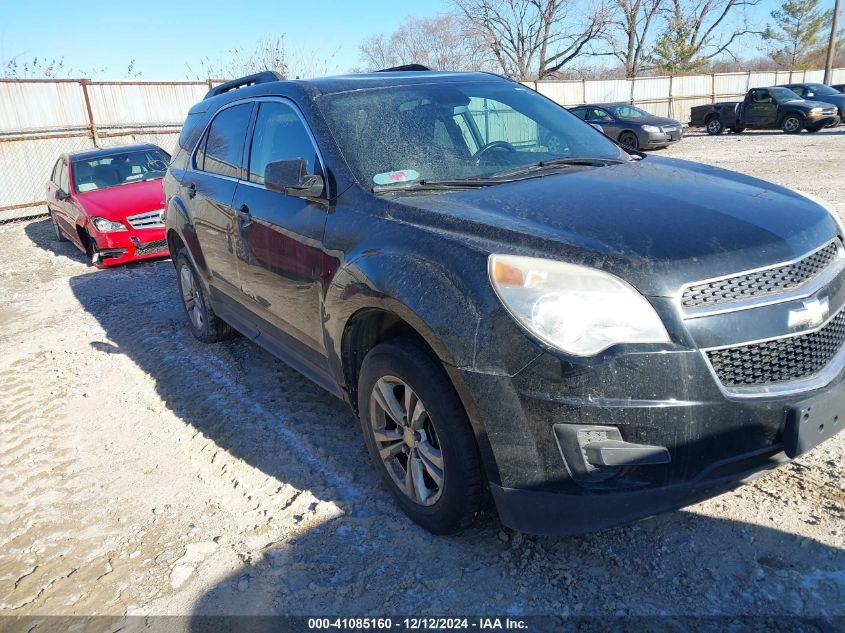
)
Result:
{"points": [[556, 162], [433, 185]]}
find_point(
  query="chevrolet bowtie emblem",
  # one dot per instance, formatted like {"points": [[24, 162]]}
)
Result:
{"points": [[812, 314]]}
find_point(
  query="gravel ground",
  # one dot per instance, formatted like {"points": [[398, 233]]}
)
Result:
{"points": [[145, 473]]}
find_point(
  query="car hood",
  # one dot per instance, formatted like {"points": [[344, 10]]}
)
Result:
{"points": [[808, 103], [658, 223], [115, 203], [826, 100]]}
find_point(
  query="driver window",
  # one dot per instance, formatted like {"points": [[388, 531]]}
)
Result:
{"points": [[279, 135], [64, 183], [496, 121], [799, 90], [598, 115], [761, 96]]}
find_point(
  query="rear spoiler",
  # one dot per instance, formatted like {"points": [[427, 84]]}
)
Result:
{"points": [[250, 80], [405, 68]]}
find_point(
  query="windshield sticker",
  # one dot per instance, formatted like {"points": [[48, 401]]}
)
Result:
{"points": [[389, 177]]}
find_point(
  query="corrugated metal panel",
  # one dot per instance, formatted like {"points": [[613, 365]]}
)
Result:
{"points": [[838, 76], [815, 76], [784, 77], [607, 90], [681, 107], [730, 85], [763, 79], [648, 88], [657, 108], [41, 105], [566, 93], [692, 86], [129, 104]]}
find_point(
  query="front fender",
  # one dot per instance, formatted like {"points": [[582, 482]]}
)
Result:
{"points": [[178, 221]]}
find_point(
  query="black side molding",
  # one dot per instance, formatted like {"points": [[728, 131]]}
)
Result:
{"points": [[250, 80]]}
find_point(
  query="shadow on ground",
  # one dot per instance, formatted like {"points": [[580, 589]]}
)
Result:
{"points": [[371, 560]]}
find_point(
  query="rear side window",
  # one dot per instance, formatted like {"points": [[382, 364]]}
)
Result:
{"points": [[56, 171], [279, 135], [221, 149], [581, 114]]}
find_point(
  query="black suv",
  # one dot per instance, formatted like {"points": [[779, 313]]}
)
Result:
{"points": [[584, 334]]}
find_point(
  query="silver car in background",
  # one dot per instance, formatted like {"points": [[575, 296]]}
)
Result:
{"points": [[630, 126]]}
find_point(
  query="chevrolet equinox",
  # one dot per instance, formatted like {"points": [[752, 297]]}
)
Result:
{"points": [[516, 308]]}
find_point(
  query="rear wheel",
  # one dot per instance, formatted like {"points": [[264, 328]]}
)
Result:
{"points": [[205, 325], [419, 437], [714, 126], [629, 140], [60, 237], [791, 124]]}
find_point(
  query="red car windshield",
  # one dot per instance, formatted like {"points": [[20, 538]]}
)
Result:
{"points": [[118, 169]]}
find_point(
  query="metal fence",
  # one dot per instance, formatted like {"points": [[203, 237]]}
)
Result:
{"points": [[41, 119]]}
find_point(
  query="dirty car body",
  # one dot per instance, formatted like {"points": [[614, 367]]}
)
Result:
{"points": [[110, 202], [625, 335]]}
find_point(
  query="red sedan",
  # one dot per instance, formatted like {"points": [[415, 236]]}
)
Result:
{"points": [[109, 202]]}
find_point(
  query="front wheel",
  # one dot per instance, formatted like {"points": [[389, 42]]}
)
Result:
{"points": [[791, 124], [714, 126], [60, 237], [205, 325], [419, 437], [629, 140]]}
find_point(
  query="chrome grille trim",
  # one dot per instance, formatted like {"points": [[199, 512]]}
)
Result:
{"points": [[146, 220], [825, 373], [763, 286]]}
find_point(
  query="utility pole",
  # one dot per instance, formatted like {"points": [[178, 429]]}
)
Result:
{"points": [[831, 46]]}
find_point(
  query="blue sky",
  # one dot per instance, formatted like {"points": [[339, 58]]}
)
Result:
{"points": [[165, 35]]}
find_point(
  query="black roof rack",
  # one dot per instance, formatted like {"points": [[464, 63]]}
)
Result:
{"points": [[250, 80], [405, 68]]}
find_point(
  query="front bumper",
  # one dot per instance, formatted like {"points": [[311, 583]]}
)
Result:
{"points": [[661, 397], [824, 121], [120, 247], [651, 140]]}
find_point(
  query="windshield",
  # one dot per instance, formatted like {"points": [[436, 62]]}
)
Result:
{"points": [[823, 91], [454, 131], [784, 94], [628, 112], [118, 169]]}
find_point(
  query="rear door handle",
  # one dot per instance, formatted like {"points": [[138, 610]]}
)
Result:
{"points": [[244, 215], [192, 190]]}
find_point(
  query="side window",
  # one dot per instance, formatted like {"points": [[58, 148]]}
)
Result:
{"points": [[799, 90], [279, 135], [461, 121], [580, 113], [64, 183], [223, 147]]}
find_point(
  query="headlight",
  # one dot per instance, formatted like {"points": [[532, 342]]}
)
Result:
{"points": [[578, 310], [651, 129], [107, 226], [827, 206]]}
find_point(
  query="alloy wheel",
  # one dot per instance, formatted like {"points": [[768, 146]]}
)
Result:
{"points": [[191, 296], [714, 126], [407, 441], [791, 125]]}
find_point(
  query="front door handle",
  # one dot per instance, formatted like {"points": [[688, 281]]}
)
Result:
{"points": [[192, 191], [244, 215]]}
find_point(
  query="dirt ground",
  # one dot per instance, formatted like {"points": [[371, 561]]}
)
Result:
{"points": [[145, 473]]}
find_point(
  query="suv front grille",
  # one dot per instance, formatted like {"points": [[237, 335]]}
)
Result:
{"points": [[780, 360], [148, 220], [762, 282]]}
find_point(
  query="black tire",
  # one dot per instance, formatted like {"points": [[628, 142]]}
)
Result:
{"points": [[463, 495], [792, 124], [629, 140], [60, 237], [205, 325], [93, 251], [737, 129], [713, 125]]}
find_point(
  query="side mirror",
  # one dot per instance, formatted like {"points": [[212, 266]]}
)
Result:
{"points": [[289, 177], [61, 194], [809, 95], [597, 127]]}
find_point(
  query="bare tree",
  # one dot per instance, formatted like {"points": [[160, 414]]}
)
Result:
{"points": [[534, 38], [21, 67], [697, 31], [629, 32], [443, 42], [268, 53]]}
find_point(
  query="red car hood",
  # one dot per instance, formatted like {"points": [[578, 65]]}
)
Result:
{"points": [[115, 203]]}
